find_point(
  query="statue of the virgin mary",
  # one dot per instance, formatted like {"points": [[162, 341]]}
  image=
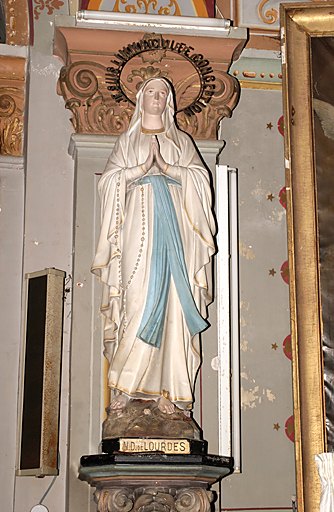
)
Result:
{"points": [[153, 256]]}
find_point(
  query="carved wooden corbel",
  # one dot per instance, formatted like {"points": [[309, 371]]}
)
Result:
{"points": [[100, 90], [148, 499], [12, 94]]}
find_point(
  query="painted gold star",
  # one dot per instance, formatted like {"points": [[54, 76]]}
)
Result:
{"points": [[269, 126], [272, 272], [274, 346], [276, 426], [270, 197]]}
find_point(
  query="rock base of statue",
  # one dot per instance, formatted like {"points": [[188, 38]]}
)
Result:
{"points": [[152, 461], [149, 482], [144, 418]]}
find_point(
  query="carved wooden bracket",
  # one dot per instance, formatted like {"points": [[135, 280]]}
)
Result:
{"points": [[147, 499], [197, 67], [12, 94]]}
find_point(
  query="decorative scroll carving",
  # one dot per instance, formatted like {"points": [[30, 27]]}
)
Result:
{"points": [[167, 7], [95, 111], [11, 122], [101, 91], [193, 500], [114, 500], [268, 16], [205, 125], [157, 499]]}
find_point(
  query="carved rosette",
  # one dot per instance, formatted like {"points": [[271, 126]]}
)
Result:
{"points": [[12, 90], [82, 85], [149, 499]]}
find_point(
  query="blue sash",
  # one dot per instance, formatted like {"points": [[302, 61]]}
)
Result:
{"points": [[167, 260]]}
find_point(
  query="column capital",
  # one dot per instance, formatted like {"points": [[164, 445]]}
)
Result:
{"points": [[104, 67]]}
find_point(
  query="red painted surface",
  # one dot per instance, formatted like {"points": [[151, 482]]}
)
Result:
{"points": [[287, 349], [210, 5], [280, 125], [285, 272], [282, 197], [290, 429]]}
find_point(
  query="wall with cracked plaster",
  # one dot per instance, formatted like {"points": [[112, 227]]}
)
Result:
{"points": [[255, 146]]}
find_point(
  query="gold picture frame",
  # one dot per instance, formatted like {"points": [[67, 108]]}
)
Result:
{"points": [[300, 22]]}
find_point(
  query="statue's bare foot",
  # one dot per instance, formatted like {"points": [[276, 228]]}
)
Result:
{"points": [[119, 402], [165, 405]]}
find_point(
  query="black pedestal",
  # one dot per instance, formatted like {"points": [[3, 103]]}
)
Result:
{"points": [[154, 481]]}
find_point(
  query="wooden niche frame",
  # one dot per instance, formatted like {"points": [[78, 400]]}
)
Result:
{"points": [[300, 22]]}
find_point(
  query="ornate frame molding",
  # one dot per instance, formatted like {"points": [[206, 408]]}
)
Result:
{"points": [[300, 22]]}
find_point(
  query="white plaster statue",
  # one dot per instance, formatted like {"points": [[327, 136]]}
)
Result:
{"points": [[153, 256]]}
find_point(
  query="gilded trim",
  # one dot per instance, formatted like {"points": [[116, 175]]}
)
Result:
{"points": [[12, 98], [301, 21]]}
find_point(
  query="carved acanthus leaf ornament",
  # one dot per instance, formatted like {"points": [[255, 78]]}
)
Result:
{"points": [[12, 92], [104, 70], [95, 111], [161, 499], [11, 121]]}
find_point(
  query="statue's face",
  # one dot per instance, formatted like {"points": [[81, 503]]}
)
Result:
{"points": [[155, 97]]}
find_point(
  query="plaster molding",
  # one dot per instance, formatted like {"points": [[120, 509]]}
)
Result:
{"points": [[14, 51], [12, 96], [11, 164], [164, 499], [99, 146], [258, 68], [87, 53]]}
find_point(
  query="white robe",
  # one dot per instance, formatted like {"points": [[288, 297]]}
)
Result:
{"points": [[137, 368]]}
